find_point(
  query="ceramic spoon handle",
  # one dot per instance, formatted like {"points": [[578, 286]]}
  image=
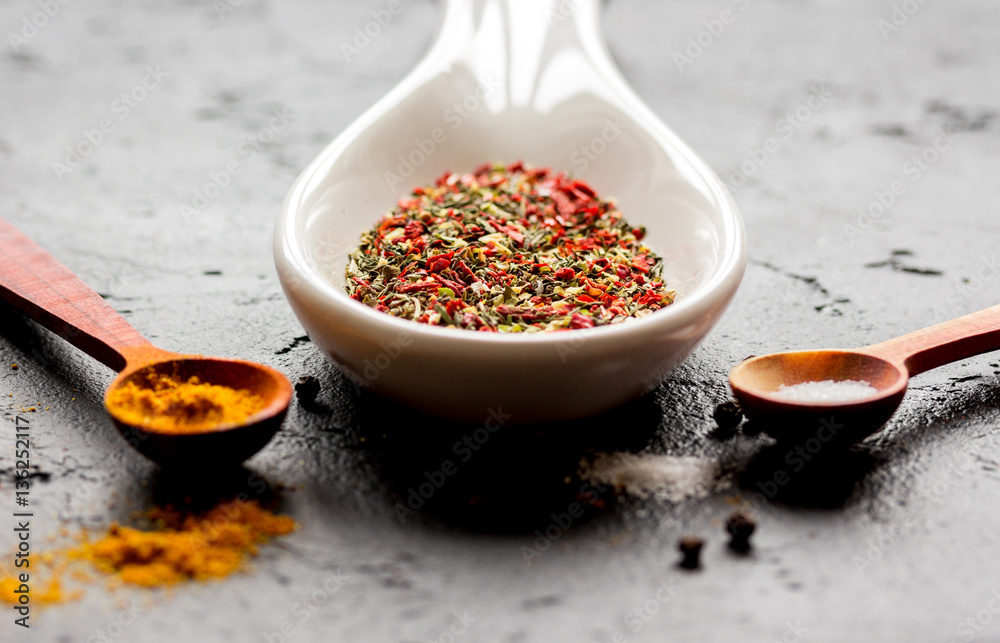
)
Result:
{"points": [[511, 46], [35, 283], [945, 343]]}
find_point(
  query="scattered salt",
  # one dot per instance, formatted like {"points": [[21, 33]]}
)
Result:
{"points": [[827, 391], [672, 478]]}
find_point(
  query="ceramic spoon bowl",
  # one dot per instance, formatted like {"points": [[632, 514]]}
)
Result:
{"points": [[511, 80]]}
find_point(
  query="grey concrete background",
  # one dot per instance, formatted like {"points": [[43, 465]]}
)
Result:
{"points": [[895, 542]]}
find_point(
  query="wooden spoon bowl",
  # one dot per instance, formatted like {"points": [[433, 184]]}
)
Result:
{"points": [[756, 381], [225, 443], [887, 367]]}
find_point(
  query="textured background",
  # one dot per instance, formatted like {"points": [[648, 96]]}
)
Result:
{"points": [[895, 541]]}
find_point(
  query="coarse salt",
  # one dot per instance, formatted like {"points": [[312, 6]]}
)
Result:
{"points": [[827, 391]]}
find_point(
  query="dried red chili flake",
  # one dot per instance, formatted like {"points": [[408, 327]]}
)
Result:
{"points": [[507, 249]]}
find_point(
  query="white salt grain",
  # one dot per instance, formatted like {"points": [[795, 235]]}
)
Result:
{"points": [[827, 391], [672, 478]]}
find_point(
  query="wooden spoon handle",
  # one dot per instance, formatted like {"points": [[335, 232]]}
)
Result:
{"points": [[35, 283], [942, 344]]}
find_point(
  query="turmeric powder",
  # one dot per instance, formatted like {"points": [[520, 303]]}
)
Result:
{"points": [[185, 546], [181, 546], [51, 594], [170, 405]]}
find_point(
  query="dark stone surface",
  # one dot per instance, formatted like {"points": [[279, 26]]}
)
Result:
{"points": [[896, 540]]}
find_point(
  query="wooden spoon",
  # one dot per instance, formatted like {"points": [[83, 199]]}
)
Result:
{"points": [[38, 285], [887, 367]]}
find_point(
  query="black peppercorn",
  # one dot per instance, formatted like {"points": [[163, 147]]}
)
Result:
{"points": [[306, 389], [740, 527], [728, 416], [690, 547]]}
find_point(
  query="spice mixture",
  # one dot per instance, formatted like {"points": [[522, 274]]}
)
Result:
{"points": [[169, 405], [507, 249]]}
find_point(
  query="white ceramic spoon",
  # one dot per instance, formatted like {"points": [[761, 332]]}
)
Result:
{"points": [[509, 80]]}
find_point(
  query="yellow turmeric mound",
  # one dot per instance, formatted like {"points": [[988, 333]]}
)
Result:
{"points": [[169, 405], [181, 546], [185, 546]]}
